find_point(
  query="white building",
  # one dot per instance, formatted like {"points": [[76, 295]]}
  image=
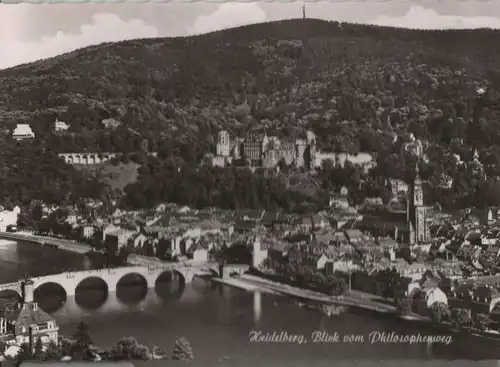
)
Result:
{"points": [[60, 126], [435, 295], [22, 132], [9, 218]]}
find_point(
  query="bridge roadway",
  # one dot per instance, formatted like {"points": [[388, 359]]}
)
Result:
{"points": [[69, 281]]}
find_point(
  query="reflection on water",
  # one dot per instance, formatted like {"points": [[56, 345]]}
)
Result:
{"points": [[91, 293]]}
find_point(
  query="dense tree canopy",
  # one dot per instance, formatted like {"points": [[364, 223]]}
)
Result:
{"points": [[357, 87]]}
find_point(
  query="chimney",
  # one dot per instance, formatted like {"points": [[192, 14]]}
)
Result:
{"points": [[30, 340]]}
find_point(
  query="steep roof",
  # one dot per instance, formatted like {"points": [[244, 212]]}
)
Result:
{"points": [[29, 314]]}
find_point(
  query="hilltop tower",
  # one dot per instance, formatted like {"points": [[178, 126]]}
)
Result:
{"points": [[416, 211], [223, 144]]}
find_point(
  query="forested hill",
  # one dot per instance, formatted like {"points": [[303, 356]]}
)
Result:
{"points": [[278, 75], [354, 85]]}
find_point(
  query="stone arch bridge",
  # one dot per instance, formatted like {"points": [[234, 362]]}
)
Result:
{"points": [[69, 281], [91, 158], [86, 158]]}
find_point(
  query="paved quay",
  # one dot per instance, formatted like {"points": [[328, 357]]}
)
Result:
{"points": [[62, 244]]}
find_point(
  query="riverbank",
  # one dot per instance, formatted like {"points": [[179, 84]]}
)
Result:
{"points": [[354, 299], [61, 244]]}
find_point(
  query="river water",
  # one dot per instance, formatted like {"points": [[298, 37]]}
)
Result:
{"points": [[216, 319]]}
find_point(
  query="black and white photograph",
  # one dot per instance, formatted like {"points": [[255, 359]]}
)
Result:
{"points": [[249, 182]]}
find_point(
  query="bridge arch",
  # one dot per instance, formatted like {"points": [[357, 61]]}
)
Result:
{"points": [[11, 294], [91, 292], [48, 295], [92, 277], [132, 273]]}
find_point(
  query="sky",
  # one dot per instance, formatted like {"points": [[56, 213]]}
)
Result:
{"points": [[29, 32]]}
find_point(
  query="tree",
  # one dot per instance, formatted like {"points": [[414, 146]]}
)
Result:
{"points": [[404, 305], [128, 348], [36, 212], [182, 350], [483, 320], [38, 352], [82, 334], [80, 350], [440, 313], [53, 352], [461, 318]]}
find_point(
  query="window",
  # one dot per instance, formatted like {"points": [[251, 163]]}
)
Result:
{"points": [[23, 329]]}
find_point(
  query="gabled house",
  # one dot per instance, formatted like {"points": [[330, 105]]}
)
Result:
{"points": [[28, 321], [354, 236]]}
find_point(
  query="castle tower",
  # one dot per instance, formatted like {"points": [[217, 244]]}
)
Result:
{"points": [[300, 150], [311, 143], [223, 144]]}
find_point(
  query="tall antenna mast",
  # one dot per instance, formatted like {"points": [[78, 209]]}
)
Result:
{"points": [[304, 11]]}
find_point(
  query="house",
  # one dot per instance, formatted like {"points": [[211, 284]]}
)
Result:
{"points": [[341, 265], [22, 132], [227, 229], [354, 236], [60, 126], [307, 257], [397, 186], [304, 223], [319, 222], [72, 217], [243, 226], [338, 201], [138, 240], [88, 231], [8, 218], [28, 321], [435, 295], [198, 252], [118, 238], [110, 123]]}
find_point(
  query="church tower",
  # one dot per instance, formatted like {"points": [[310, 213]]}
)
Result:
{"points": [[416, 212]]}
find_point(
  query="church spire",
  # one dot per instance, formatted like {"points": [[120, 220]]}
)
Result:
{"points": [[417, 173]]}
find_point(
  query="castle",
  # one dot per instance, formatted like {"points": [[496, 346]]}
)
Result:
{"points": [[417, 213], [265, 151]]}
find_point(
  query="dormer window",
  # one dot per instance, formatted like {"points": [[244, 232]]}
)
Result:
{"points": [[35, 306]]}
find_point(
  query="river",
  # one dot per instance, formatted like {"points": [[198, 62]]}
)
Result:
{"points": [[216, 319]]}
